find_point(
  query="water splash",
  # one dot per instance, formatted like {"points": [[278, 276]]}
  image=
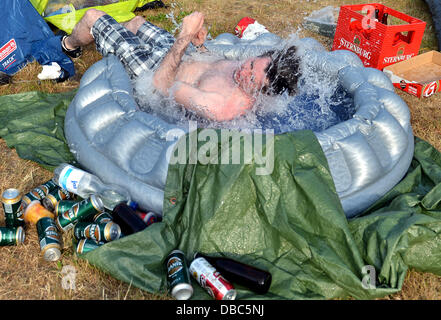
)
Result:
{"points": [[319, 103]]}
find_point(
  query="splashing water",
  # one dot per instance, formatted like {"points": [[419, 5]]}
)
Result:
{"points": [[319, 103]]}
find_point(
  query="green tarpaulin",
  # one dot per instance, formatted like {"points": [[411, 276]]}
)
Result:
{"points": [[33, 124], [289, 222]]}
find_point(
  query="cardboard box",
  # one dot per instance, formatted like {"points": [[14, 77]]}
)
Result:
{"points": [[419, 76]]}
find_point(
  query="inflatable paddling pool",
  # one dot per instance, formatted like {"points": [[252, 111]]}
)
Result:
{"points": [[368, 154]]}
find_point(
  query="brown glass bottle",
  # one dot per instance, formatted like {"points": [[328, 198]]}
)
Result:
{"points": [[255, 279], [384, 18], [127, 219]]}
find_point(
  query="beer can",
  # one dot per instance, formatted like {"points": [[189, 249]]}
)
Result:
{"points": [[86, 245], [63, 205], [11, 201], [37, 193], [107, 231], [178, 277], [211, 280], [50, 244], [48, 186], [102, 217], [56, 195], [11, 236], [40, 192], [149, 217], [80, 210], [35, 211]]}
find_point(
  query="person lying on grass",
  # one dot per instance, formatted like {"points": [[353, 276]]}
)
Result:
{"points": [[219, 90]]}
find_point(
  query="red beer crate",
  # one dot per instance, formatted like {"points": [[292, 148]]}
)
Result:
{"points": [[377, 43]]}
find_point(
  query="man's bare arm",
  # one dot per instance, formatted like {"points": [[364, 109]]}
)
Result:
{"points": [[165, 75]]}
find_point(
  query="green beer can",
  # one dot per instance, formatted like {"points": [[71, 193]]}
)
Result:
{"points": [[107, 231], [56, 195], [178, 277], [37, 193], [63, 205], [11, 236], [80, 210], [11, 201], [102, 217], [48, 186], [40, 192], [50, 244], [86, 245]]}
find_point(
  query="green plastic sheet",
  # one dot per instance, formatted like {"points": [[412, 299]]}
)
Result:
{"points": [[33, 124], [289, 222]]}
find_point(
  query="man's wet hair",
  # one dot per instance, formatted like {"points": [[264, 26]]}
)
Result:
{"points": [[283, 71]]}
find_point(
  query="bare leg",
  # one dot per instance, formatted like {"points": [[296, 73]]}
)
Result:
{"points": [[81, 33], [134, 24]]}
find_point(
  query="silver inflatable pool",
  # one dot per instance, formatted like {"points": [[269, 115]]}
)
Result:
{"points": [[367, 155]]}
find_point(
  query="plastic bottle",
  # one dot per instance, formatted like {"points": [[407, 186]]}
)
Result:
{"points": [[253, 278], [85, 184]]}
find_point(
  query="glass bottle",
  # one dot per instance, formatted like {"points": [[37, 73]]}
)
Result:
{"points": [[384, 18], [84, 184], [127, 219], [255, 279]]}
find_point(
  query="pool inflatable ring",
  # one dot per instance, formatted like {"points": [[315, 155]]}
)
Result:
{"points": [[367, 154]]}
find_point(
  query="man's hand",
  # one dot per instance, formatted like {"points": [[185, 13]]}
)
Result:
{"points": [[192, 26], [192, 30], [200, 37]]}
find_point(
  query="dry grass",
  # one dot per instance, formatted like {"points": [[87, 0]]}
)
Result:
{"points": [[25, 275]]}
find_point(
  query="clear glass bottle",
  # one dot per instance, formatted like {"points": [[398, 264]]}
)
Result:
{"points": [[84, 184]]}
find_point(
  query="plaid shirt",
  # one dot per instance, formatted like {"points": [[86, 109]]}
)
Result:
{"points": [[140, 52]]}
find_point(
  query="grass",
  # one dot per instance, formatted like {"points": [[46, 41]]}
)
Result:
{"points": [[25, 275]]}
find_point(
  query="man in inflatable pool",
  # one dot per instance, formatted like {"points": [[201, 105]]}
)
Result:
{"points": [[220, 90]]}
